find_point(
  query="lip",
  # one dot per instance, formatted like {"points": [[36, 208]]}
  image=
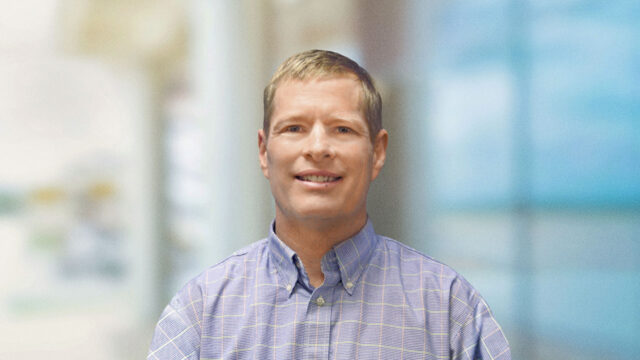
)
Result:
{"points": [[317, 173], [318, 185]]}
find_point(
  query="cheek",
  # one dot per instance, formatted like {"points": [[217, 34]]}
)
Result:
{"points": [[364, 164], [278, 164]]}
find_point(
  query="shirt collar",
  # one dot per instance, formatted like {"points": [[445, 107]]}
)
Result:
{"points": [[346, 261], [354, 255], [284, 259]]}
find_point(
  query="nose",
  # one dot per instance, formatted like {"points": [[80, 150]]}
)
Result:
{"points": [[318, 145]]}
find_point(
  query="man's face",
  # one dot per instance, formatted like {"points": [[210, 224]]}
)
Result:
{"points": [[319, 158]]}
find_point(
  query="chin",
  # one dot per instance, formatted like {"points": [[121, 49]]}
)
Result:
{"points": [[319, 213], [324, 213]]}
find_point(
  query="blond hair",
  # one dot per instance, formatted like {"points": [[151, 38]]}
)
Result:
{"points": [[323, 63]]}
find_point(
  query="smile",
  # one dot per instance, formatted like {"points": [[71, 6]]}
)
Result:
{"points": [[318, 178]]}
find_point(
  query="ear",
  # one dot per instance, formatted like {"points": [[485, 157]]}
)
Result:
{"points": [[262, 152], [379, 152]]}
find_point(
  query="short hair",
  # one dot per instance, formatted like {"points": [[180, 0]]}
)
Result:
{"points": [[323, 63]]}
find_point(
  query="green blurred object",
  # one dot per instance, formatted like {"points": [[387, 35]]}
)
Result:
{"points": [[48, 241], [10, 203]]}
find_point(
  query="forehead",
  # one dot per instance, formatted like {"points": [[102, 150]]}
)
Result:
{"points": [[336, 90]]}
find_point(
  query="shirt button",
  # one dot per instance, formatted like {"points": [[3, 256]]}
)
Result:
{"points": [[349, 285], [289, 287], [320, 301]]}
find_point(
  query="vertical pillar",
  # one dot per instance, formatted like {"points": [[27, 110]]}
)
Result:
{"points": [[394, 37], [226, 72], [522, 192]]}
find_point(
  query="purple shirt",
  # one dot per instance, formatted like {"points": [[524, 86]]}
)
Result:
{"points": [[380, 300]]}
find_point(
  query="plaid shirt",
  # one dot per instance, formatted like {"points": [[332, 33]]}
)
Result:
{"points": [[380, 300]]}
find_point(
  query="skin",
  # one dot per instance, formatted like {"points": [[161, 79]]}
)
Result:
{"points": [[318, 128]]}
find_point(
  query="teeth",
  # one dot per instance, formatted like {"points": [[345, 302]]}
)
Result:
{"points": [[316, 178]]}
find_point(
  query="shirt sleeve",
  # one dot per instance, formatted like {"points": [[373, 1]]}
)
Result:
{"points": [[177, 334], [475, 334]]}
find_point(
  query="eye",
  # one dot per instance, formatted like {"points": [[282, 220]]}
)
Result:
{"points": [[344, 130], [293, 128]]}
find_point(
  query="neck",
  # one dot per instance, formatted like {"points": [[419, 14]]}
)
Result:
{"points": [[311, 240]]}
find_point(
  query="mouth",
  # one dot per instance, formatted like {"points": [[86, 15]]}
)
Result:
{"points": [[318, 178]]}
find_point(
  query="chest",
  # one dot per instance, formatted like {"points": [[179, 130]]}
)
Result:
{"points": [[373, 322]]}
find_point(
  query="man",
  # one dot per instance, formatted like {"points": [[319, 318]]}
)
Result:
{"points": [[323, 284]]}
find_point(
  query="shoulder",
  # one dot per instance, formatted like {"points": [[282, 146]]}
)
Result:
{"points": [[249, 254], [470, 318], [182, 320], [236, 266], [407, 256], [432, 273]]}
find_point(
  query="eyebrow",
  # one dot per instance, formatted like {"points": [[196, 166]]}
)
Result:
{"points": [[289, 119]]}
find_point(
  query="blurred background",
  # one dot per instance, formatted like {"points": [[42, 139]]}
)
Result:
{"points": [[128, 157]]}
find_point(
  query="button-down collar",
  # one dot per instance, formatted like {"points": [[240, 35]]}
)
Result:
{"points": [[284, 259], [345, 262]]}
